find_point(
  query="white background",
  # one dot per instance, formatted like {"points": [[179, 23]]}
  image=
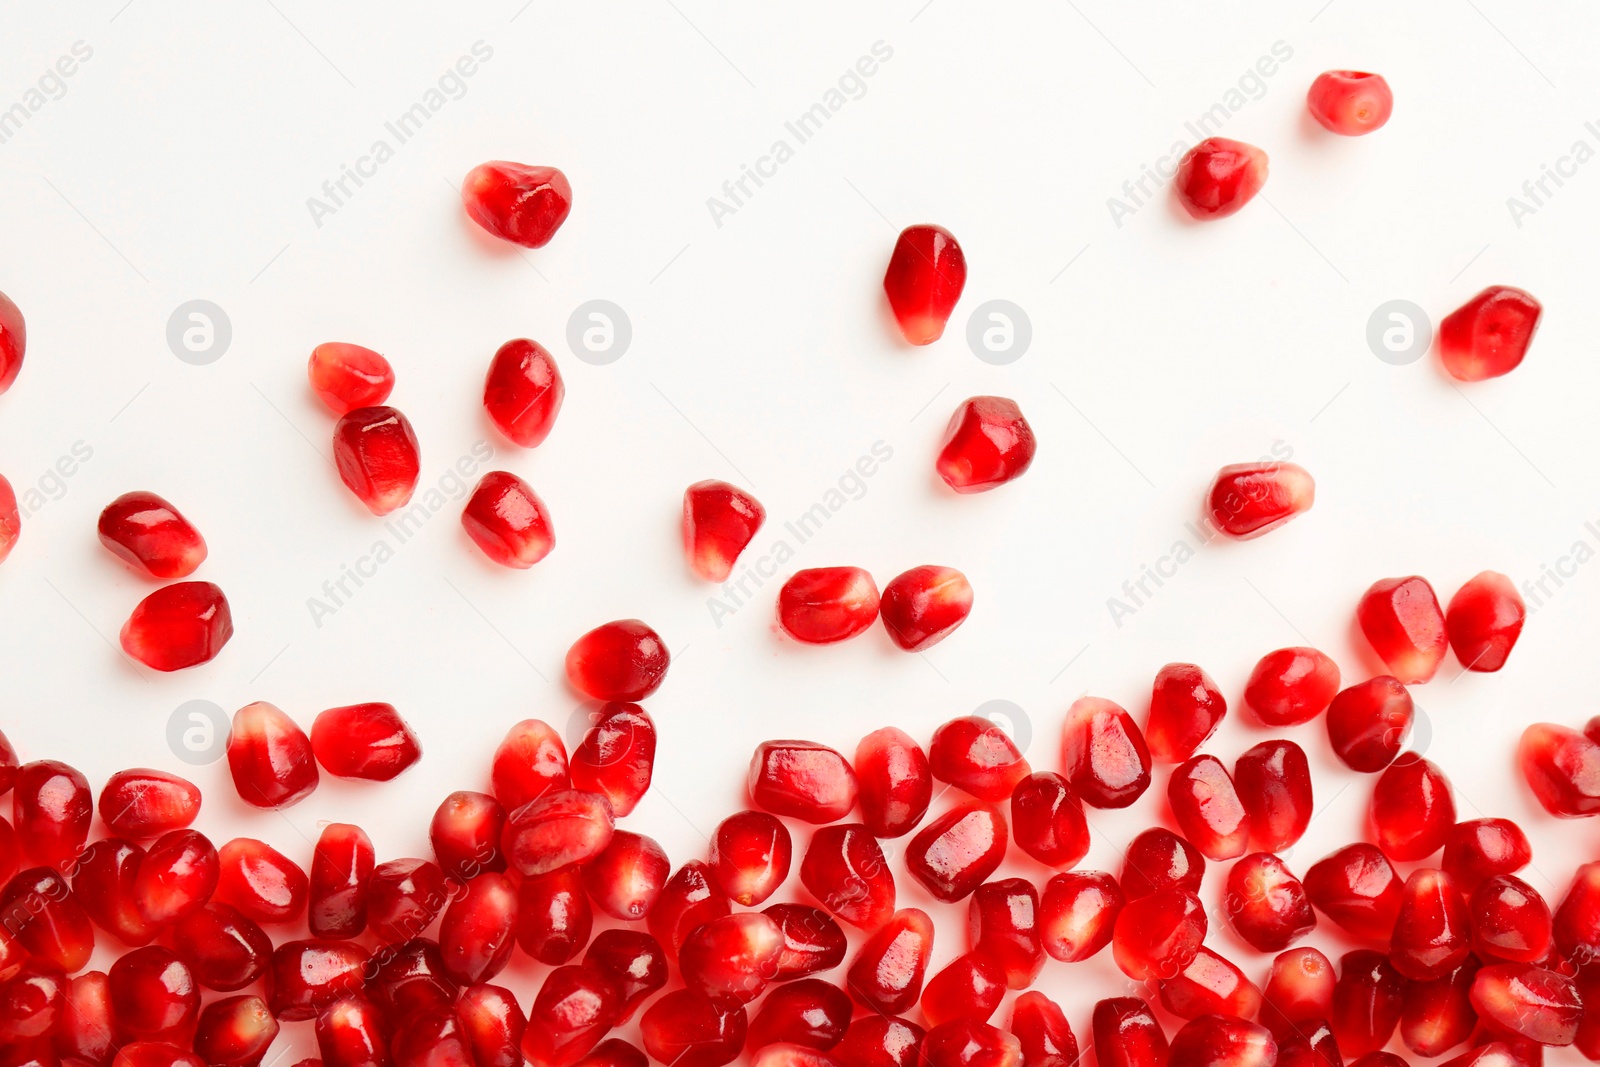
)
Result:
{"points": [[177, 166]]}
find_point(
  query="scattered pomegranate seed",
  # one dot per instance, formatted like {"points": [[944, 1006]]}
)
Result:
{"points": [[1159, 859], [529, 763], [1576, 923], [894, 780], [104, 884], [177, 876], [1291, 686], [1510, 921], [1438, 1015], [1224, 1042], [466, 834], [812, 941], [1042, 1030], [235, 1032], [1003, 923], [1104, 754], [622, 660], [617, 756], [178, 626], [46, 919], [1208, 809], [1367, 1001], [1489, 335], [346, 376], [141, 803], [634, 961], [926, 275], [750, 856], [13, 341], [686, 1029], [1210, 985], [367, 741], [260, 881], [352, 1032], [1368, 722], [51, 809], [404, 897], [378, 457], [150, 535], [554, 918], [1299, 991], [1217, 177], [341, 868], [690, 898], [1126, 1034], [965, 1043], [613, 1052], [1431, 933], [1185, 709], [1247, 500], [626, 877], [224, 950], [430, 1037], [1412, 811], [924, 605], [1484, 620], [1078, 914], [1350, 102], [809, 1012], [958, 851], [1405, 627], [85, 1029], [970, 987], [517, 202], [987, 443], [823, 605], [478, 930], [506, 518], [879, 1041], [1358, 889], [977, 756], [719, 522], [1562, 767], [845, 870], [1481, 848], [1157, 936], [1274, 784], [270, 757], [409, 978], [801, 780], [1267, 904], [574, 1009], [31, 1003], [152, 992], [1047, 820], [10, 519], [1528, 1001]]}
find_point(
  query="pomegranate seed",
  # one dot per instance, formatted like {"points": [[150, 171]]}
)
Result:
{"points": [[1482, 848], [1042, 1031], [812, 941], [529, 763], [958, 851], [177, 876], [271, 758], [686, 1029], [523, 392], [970, 987], [1274, 784], [1208, 808], [553, 916], [1358, 889], [1576, 924], [1157, 936], [46, 919], [1368, 722], [492, 1026], [624, 880], [750, 855], [827, 604], [810, 1013], [1561, 766], [1217, 177], [156, 1054], [1367, 1000], [178, 626], [613, 1052], [346, 376], [574, 1009], [1412, 813], [8, 765], [304, 977], [1528, 1001], [1438, 1015], [975, 755], [926, 275], [634, 961], [1078, 914], [1350, 102], [150, 535], [506, 519], [409, 978], [1587, 1041], [32, 1003], [378, 458], [341, 868], [1431, 933], [85, 1030], [1291, 686], [1299, 991], [987, 443], [51, 808], [845, 870], [1104, 754], [1126, 1034], [879, 1041], [367, 741], [478, 930], [152, 992], [13, 341], [1493, 1054], [924, 605], [561, 828], [1220, 1041], [1247, 500], [235, 1032], [801, 780], [966, 1043], [1267, 905], [1047, 820], [260, 881], [1401, 620], [353, 1033], [143, 803], [719, 522], [10, 851], [1185, 708], [466, 833], [1489, 334], [690, 897], [1159, 859], [1510, 921], [223, 949], [787, 1054], [404, 897], [1210, 985], [895, 782], [617, 756], [887, 973], [10, 518], [1484, 620], [430, 1038], [623, 660], [517, 202], [1003, 922]]}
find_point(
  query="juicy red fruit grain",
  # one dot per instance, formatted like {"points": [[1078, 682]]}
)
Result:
{"points": [[530, 762], [1401, 620], [142, 803], [926, 274], [1078, 914], [1217, 177], [987, 443], [51, 809], [1208, 809], [1299, 990], [1489, 335], [46, 920], [1482, 848], [507, 520], [1267, 904], [970, 987], [152, 992], [573, 1010], [622, 660], [894, 781], [104, 884], [750, 856], [823, 605], [1157, 936], [1510, 921], [341, 868], [224, 950], [1431, 933], [812, 941], [809, 1012], [1291, 686], [616, 756], [1043, 1032], [13, 341], [1003, 923], [554, 919], [260, 881], [1157, 859], [270, 757], [404, 896], [1126, 1034], [846, 871], [1047, 820], [686, 1029], [1247, 500], [559, 829], [958, 851], [1274, 784], [523, 392], [346, 376], [1368, 722], [1367, 1002], [624, 880], [1577, 919], [517, 202], [634, 961], [1412, 809], [925, 605], [378, 458], [10, 519], [1438, 1015], [1350, 102], [1562, 767], [801, 780], [1484, 620], [732, 958], [478, 929], [879, 1041], [690, 898], [1528, 1001], [1216, 1040], [719, 522], [178, 626], [966, 1043], [1104, 754], [1358, 889], [1185, 708], [367, 741], [150, 535], [977, 756]]}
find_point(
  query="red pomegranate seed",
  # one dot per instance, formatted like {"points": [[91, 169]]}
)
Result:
{"points": [[1562, 767], [719, 522], [235, 1032], [152, 992], [1274, 784], [517, 202], [970, 987], [827, 604], [574, 1009], [634, 961], [1528, 1001], [1208, 809], [926, 275], [378, 458], [1159, 859], [924, 606], [894, 780], [346, 376], [304, 977], [44, 917], [1510, 921], [8, 765], [1247, 500], [554, 919], [51, 809], [367, 741], [788, 1054], [85, 1029], [1587, 1041], [879, 1041], [1047, 820], [478, 930], [404, 897], [178, 626], [686, 1029], [1412, 811], [750, 856], [223, 949], [13, 341], [690, 897], [801, 780], [1367, 1000], [523, 392], [529, 763], [156, 1054], [150, 535], [1368, 722], [1358, 889], [1126, 1034], [1438, 1015], [809, 1012], [466, 834], [1042, 1030], [613, 1052], [887, 973], [622, 660], [1299, 991], [561, 828], [1267, 904], [1431, 934], [1003, 922], [176, 877], [492, 1025], [142, 803], [1489, 335], [617, 756], [1078, 913], [408, 978], [1291, 686], [1350, 102], [965, 1043], [1576, 924], [430, 1038], [260, 881], [1493, 1054], [1220, 1041], [1157, 936], [845, 870], [1210, 985], [1484, 620], [1185, 708], [975, 755], [812, 941], [10, 851], [625, 879], [1104, 754], [506, 519], [271, 758], [1217, 177], [1403, 623], [341, 867], [987, 443], [10, 518], [1482, 848], [352, 1032], [958, 851], [31, 1003]]}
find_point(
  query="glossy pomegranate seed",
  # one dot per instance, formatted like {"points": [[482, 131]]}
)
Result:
{"points": [[573, 1010], [1208, 809], [986, 444], [466, 833], [517, 202], [623, 660], [492, 1026], [1438, 1015], [1291, 686], [1274, 784], [1157, 936], [1350, 102], [271, 758], [1403, 623], [976, 755], [750, 855], [44, 917], [346, 376], [1587, 1041], [1510, 921], [1412, 811], [1562, 767], [367, 741], [177, 876], [1484, 620], [966, 1043], [788, 1054], [1528, 1001], [378, 458], [1431, 934], [1493, 1054], [1367, 1001], [895, 782], [879, 1041], [1210, 985], [1126, 1034], [926, 275], [1047, 820], [719, 522], [479, 928], [51, 809], [970, 987], [523, 395], [235, 1032], [1221, 1041], [1218, 176], [1299, 991], [304, 977], [153, 992], [554, 919], [11, 858], [810, 1013], [801, 780], [1104, 754], [924, 605], [430, 1038], [617, 756], [812, 941], [142, 803], [1358, 889], [1267, 904], [409, 978], [352, 1032], [888, 972], [341, 868], [690, 897], [1042, 1030], [613, 1052], [1368, 722], [827, 604], [1078, 913], [1576, 924], [561, 828], [223, 949], [625, 879], [530, 762], [686, 1029], [1160, 859], [845, 870], [1489, 335], [1003, 922], [32, 1003], [8, 765], [152, 536], [178, 626], [13, 341], [1185, 708], [506, 519], [958, 851], [85, 1029], [10, 519], [634, 961], [260, 881], [157, 1054], [1247, 500], [404, 897]]}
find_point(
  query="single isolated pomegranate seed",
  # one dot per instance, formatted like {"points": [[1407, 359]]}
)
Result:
{"points": [[926, 275], [478, 930], [686, 1029], [1217, 177], [1078, 914], [554, 918], [10, 518], [1042, 1030], [153, 992], [924, 605], [1221, 1041], [958, 851], [1126, 1034], [1274, 784], [1159, 859], [506, 518], [1003, 923], [105, 885], [1510, 921], [733, 957], [574, 1009], [530, 762], [1412, 811], [150, 535], [719, 522], [1358, 889], [178, 626], [1157, 936], [1431, 934], [809, 1012], [517, 202], [1247, 500], [260, 881], [616, 757], [1482, 848], [1291, 686], [1047, 820], [622, 660], [966, 1043], [1208, 809], [1489, 335], [977, 756], [1484, 620], [43, 918], [1350, 102], [1528, 1001], [970, 987], [51, 809], [1104, 754], [13, 341], [235, 1032], [845, 870], [1576, 924], [812, 941], [304, 977], [987, 443], [879, 1041], [823, 605], [1438, 1015], [1401, 620], [378, 457], [801, 780], [1368, 722], [141, 803], [224, 950], [1267, 904], [559, 829], [271, 758], [690, 897], [404, 897], [523, 392], [1367, 1001], [346, 376], [894, 781], [341, 868], [1562, 767], [1299, 991], [625, 879], [177, 876], [1210, 985], [367, 741], [1185, 708], [750, 856], [634, 961]]}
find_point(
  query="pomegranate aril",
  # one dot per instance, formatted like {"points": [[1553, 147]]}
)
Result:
{"points": [[690, 897], [1247, 500], [613, 1052], [177, 876], [431, 1038], [1003, 922], [236, 1032], [823, 605], [879, 1041], [887, 973], [1274, 784], [1208, 809], [975, 755], [222, 948], [553, 916], [13, 341], [1576, 923], [523, 393], [1402, 621], [9, 763], [926, 274], [352, 1032], [1492, 1054], [260, 881], [1159, 859], [347, 376], [1104, 754], [507, 520], [159, 1054], [530, 762], [1157, 936], [1185, 708], [141, 803], [1126, 1034], [986, 444], [152, 536], [750, 855], [491, 1025], [1299, 991], [404, 897], [894, 782], [1368, 722], [11, 857], [1358, 889], [1291, 686], [1267, 904], [1510, 921], [1484, 620], [788, 1054], [85, 1030], [562, 828], [634, 961], [478, 930], [1043, 1032], [970, 987], [304, 977], [812, 941], [152, 992], [1219, 176], [32, 1003], [1312, 1045], [626, 877], [958, 851], [517, 202], [1562, 767], [10, 518], [1528, 1001], [378, 458], [367, 741], [341, 867], [1078, 914], [1412, 810], [1210, 985], [1367, 1001], [1489, 335], [407, 978], [617, 756], [1047, 820], [1221, 1041], [1438, 1015], [809, 1012], [1432, 935], [51, 809], [846, 871], [965, 1043], [623, 660], [686, 1029], [270, 757], [41, 915], [924, 605], [719, 522], [801, 780], [1350, 102]]}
